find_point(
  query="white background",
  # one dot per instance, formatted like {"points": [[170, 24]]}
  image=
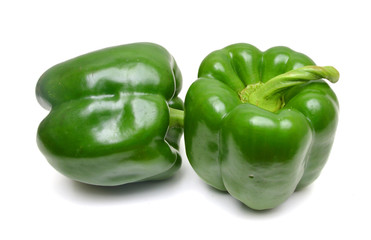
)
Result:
{"points": [[39, 203]]}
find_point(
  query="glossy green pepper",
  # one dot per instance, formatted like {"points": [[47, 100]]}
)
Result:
{"points": [[111, 118], [260, 125]]}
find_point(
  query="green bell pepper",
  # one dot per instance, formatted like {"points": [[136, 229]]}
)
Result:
{"points": [[111, 120], [260, 125]]}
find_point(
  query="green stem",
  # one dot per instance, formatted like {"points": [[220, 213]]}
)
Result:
{"points": [[176, 118], [269, 95]]}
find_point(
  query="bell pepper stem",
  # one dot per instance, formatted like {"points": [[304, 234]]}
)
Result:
{"points": [[176, 118], [269, 95]]}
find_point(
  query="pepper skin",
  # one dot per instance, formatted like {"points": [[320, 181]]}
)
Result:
{"points": [[260, 125], [110, 115]]}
